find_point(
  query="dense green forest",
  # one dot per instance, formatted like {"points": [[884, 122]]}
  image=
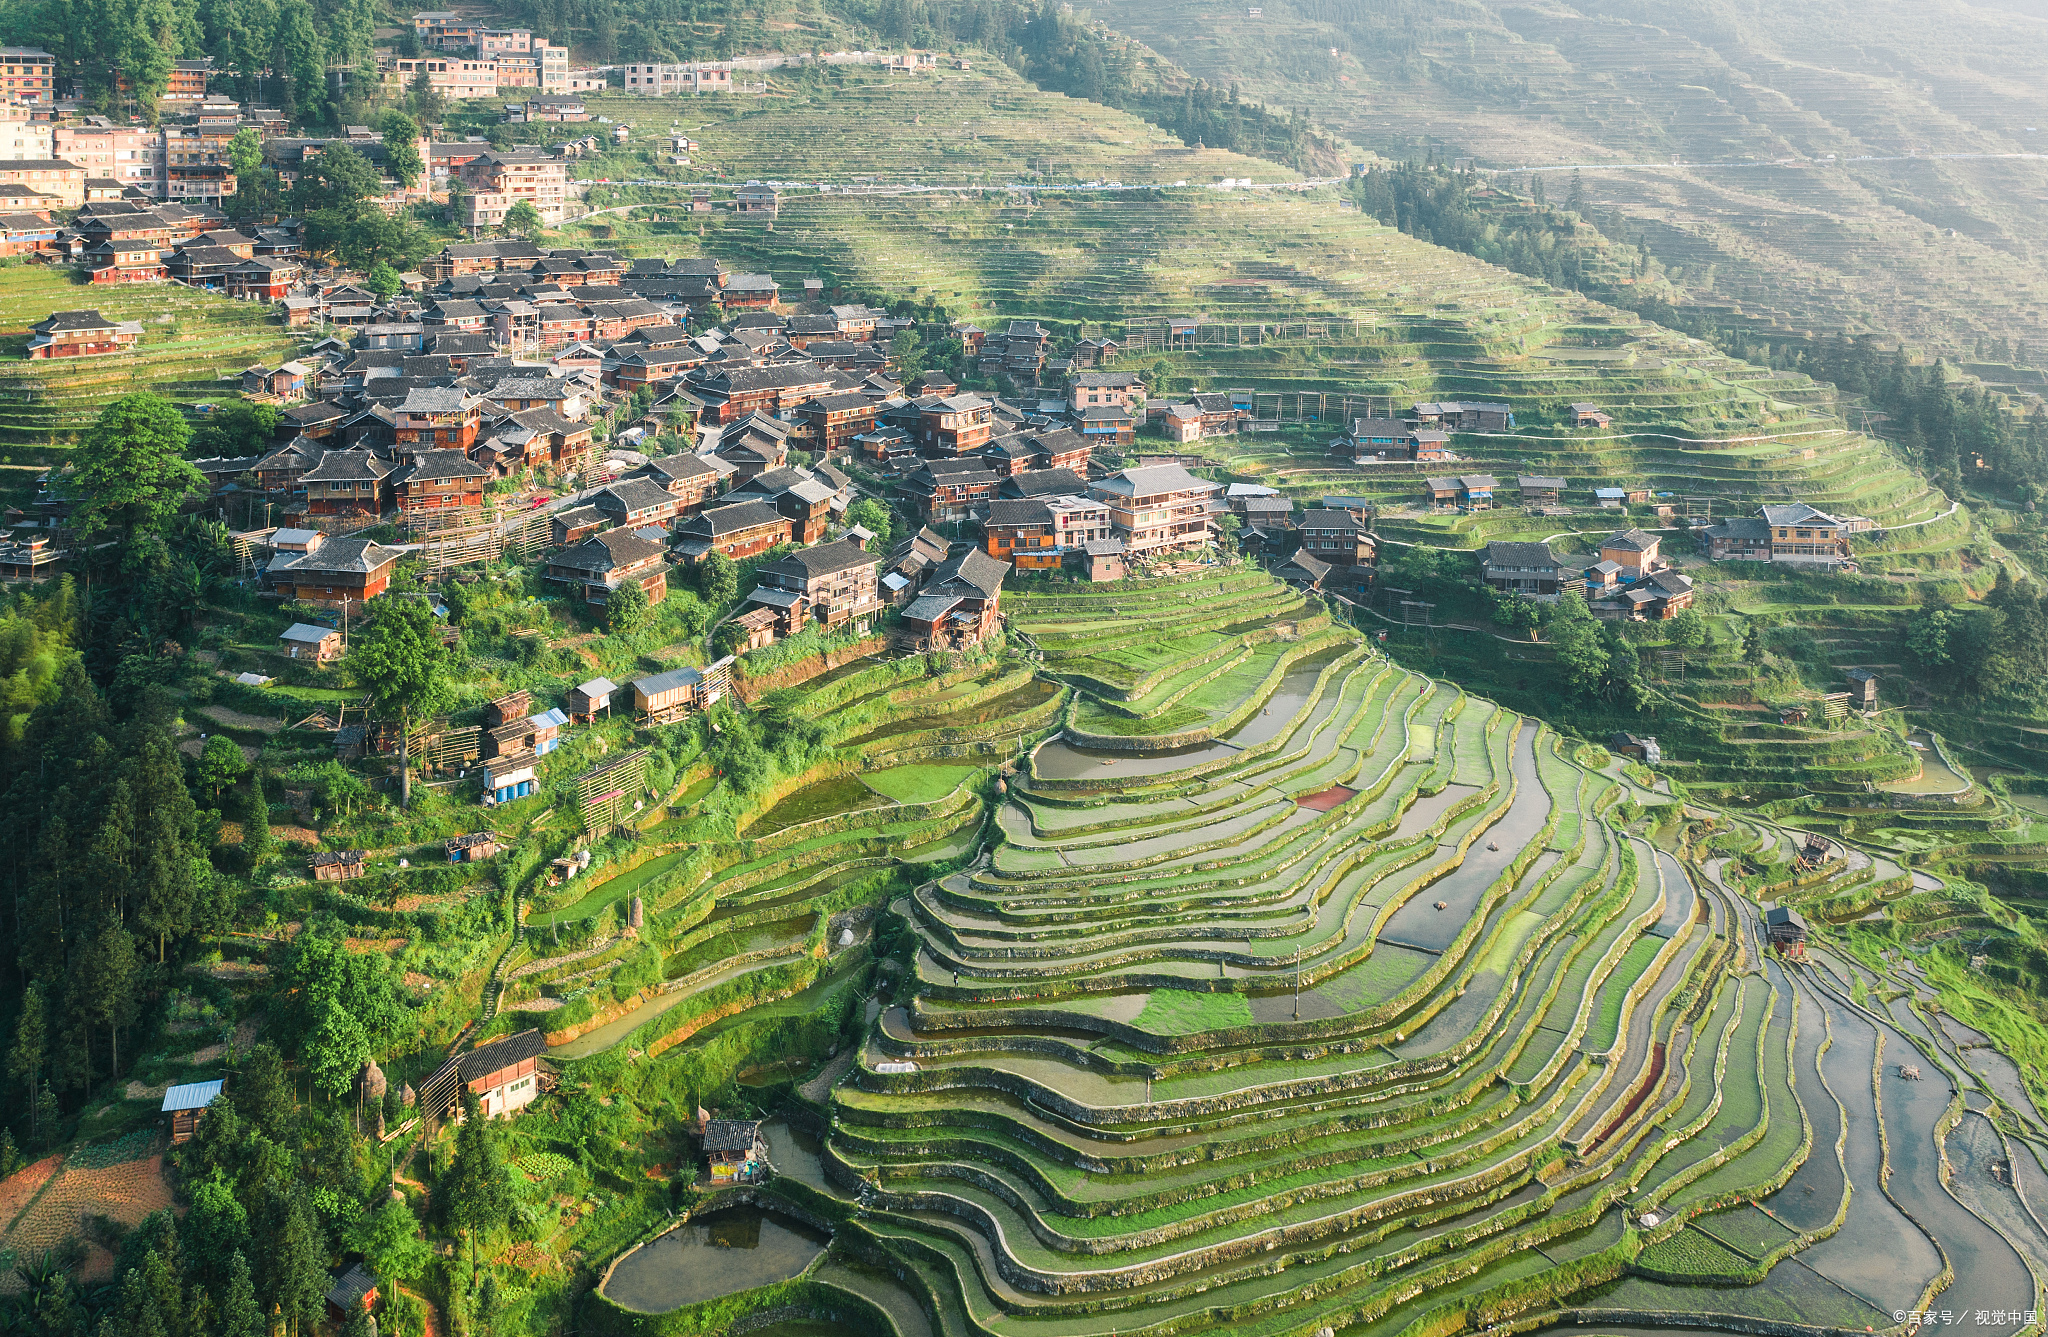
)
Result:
{"points": [[1434, 204], [277, 52]]}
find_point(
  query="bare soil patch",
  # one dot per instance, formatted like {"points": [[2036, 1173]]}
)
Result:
{"points": [[238, 719], [18, 1188]]}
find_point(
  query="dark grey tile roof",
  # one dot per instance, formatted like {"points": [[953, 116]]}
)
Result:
{"points": [[731, 519], [500, 1054], [1520, 555], [357, 557], [973, 568]]}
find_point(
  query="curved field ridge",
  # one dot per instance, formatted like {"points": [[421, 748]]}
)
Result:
{"points": [[1308, 1027]]}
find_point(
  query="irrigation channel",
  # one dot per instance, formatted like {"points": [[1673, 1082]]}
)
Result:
{"points": [[1300, 991]]}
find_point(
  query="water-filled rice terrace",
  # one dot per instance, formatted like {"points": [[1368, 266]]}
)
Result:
{"points": [[1294, 991]]}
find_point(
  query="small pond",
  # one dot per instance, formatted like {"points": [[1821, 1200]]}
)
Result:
{"points": [[718, 1253]]}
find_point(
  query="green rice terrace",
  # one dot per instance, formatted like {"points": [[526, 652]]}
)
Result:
{"points": [[1263, 985], [983, 127], [190, 341]]}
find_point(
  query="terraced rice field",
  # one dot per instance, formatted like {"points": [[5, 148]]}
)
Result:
{"points": [[985, 126], [1187, 1054], [191, 340]]}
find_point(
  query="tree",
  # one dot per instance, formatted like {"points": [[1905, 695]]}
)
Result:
{"points": [[389, 1238], [718, 579], [255, 184], [261, 1093], [336, 1050], [625, 608], [299, 1282], [872, 515], [220, 764], [162, 885], [360, 234], [425, 98], [521, 220], [339, 176], [400, 659], [106, 980], [401, 146], [217, 1227], [384, 281], [1689, 629], [907, 351], [145, 59], [1515, 612], [25, 1059], [1753, 643], [132, 468], [1622, 680], [475, 1189], [1575, 636], [303, 63], [240, 1316], [254, 815], [319, 975], [1927, 635], [238, 427], [245, 156]]}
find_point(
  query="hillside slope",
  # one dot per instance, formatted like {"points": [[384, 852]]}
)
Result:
{"points": [[1752, 101]]}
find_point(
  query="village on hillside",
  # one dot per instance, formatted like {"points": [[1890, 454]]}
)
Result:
{"points": [[628, 421]]}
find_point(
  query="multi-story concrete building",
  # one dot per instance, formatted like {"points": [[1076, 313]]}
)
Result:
{"points": [[187, 82], [497, 180], [195, 158], [129, 154], [450, 76], [27, 76], [696, 77], [525, 61], [23, 139], [444, 30], [59, 184]]}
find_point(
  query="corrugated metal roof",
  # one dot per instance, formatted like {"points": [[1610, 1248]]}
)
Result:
{"points": [[667, 682], [192, 1096]]}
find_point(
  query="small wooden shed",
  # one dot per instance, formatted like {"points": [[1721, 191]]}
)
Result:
{"points": [[666, 696], [510, 740], [509, 778], [186, 1105], [471, 847], [302, 640], [354, 1291], [506, 709], [590, 699], [336, 865]]}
